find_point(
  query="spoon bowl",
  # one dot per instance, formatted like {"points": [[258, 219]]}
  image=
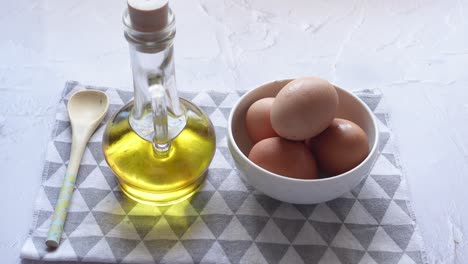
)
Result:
{"points": [[88, 106]]}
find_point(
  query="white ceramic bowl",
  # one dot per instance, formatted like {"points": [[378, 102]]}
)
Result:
{"points": [[296, 190]]}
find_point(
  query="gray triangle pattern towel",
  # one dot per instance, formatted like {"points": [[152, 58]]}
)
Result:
{"points": [[228, 221]]}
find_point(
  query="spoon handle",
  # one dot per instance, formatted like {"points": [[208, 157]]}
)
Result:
{"points": [[61, 209]]}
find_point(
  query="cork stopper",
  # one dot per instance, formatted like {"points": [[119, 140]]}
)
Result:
{"points": [[148, 15]]}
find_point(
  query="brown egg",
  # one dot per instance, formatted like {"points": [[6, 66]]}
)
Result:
{"points": [[257, 120], [341, 147], [310, 142], [304, 108], [284, 157]]}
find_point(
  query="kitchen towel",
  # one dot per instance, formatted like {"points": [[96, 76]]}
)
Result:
{"points": [[227, 221]]}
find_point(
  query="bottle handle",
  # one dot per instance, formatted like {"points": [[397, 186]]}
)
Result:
{"points": [[161, 141]]}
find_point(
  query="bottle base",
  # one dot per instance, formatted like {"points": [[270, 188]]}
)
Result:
{"points": [[161, 199], [152, 179]]}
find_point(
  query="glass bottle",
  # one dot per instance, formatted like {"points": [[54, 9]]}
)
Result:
{"points": [[158, 145]]}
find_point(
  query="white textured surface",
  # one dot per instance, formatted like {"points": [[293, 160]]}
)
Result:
{"points": [[416, 52]]}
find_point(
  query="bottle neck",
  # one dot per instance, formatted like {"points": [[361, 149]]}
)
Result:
{"points": [[152, 61]]}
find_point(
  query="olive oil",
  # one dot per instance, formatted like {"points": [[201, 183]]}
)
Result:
{"points": [[159, 146], [150, 177]]}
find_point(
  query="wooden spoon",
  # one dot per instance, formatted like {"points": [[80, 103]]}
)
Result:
{"points": [[86, 110]]}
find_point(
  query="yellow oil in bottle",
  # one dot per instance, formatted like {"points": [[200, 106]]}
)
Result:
{"points": [[149, 177]]}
